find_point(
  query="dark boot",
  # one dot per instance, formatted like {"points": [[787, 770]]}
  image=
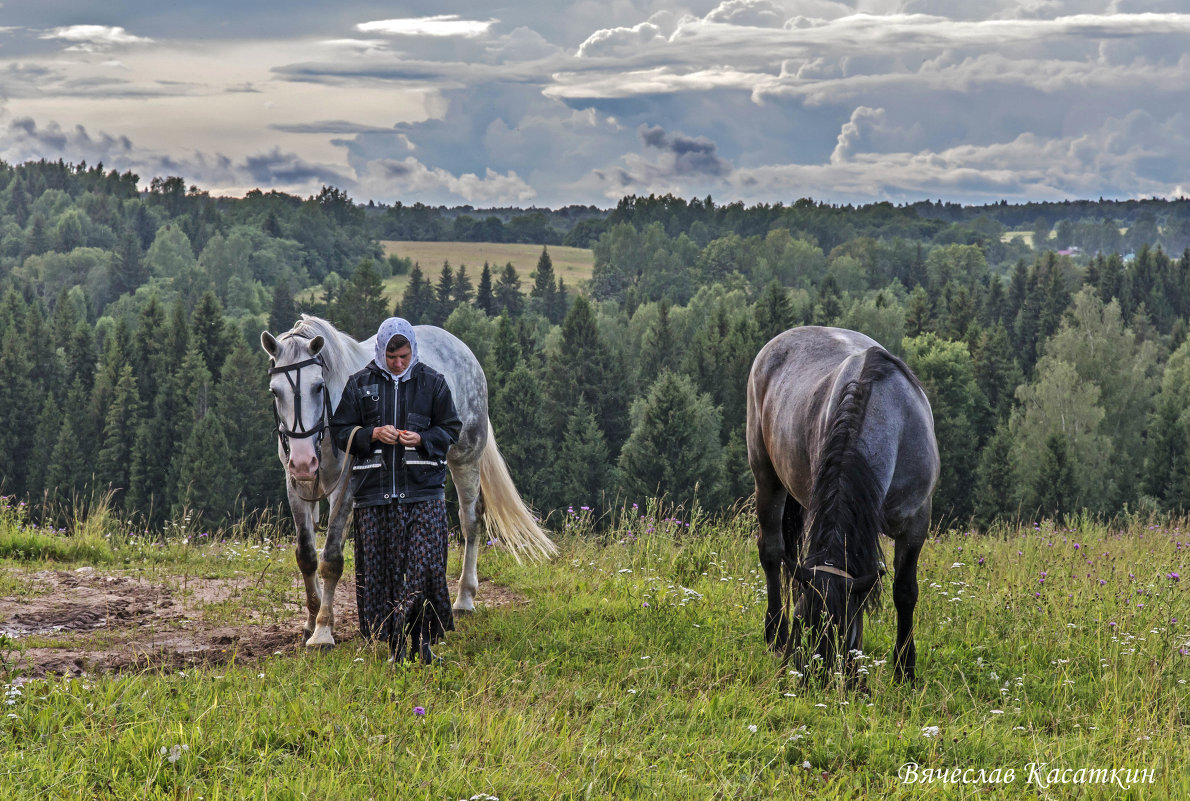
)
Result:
{"points": [[428, 656], [399, 651]]}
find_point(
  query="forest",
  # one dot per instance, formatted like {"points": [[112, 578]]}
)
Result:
{"points": [[1051, 338]]}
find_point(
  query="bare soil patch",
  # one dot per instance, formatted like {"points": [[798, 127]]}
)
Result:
{"points": [[86, 621]]}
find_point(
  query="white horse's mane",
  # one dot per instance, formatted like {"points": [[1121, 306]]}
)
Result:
{"points": [[342, 353]]}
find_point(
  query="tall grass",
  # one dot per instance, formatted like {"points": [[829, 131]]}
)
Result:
{"points": [[635, 668]]}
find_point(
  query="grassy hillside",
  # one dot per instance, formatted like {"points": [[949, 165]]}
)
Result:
{"points": [[573, 265], [633, 667]]}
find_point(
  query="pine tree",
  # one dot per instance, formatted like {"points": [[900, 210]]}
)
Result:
{"points": [[507, 346], [1055, 483], [128, 267], [114, 460], [284, 311], [508, 292], [674, 449], [243, 404], [484, 299], [462, 291], [208, 481], [582, 368], [917, 313], [994, 488], [658, 348], [773, 311], [543, 292], [150, 362], [518, 418], [443, 301], [208, 332], [582, 470], [361, 305], [70, 465], [418, 301]]}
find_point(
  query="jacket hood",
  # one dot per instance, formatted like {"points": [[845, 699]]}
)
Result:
{"points": [[388, 329]]}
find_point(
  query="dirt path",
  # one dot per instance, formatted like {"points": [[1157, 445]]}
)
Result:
{"points": [[94, 622]]}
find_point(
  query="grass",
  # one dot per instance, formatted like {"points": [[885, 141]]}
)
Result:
{"points": [[573, 265], [636, 669]]}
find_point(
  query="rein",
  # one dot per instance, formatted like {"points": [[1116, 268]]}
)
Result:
{"points": [[299, 430]]}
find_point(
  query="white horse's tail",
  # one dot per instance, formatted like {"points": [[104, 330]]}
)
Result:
{"points": [[509, 520]]}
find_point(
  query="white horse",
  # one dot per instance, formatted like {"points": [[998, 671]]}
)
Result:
{"points": [[310, 366]]}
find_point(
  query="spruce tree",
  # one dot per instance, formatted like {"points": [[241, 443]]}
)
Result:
{"points": [[462, 291], [208, 479], [484, 298], [114, 460], [208, 332], [773, 311], [284, 311], [361, 305], [418, 301], [543, 292], [443, 295], [508, 292], [674, 451], [582, 471], [1055, 490], [995, 490], [70, 464], [244, 406], [522, 430], [149, 359], [507, 346]]}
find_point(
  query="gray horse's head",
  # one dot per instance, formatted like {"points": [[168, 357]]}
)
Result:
{"points": [[828, 615]]}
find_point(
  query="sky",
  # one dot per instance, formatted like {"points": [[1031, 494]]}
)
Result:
{"points": [[548, 104]]}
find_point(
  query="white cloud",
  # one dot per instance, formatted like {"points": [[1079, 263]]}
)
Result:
{"points": [[862, 119], [610, 42], [439, 25], [408, 177], [757, 13], [94, 37]]}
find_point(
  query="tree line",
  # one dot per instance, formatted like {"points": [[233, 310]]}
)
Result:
{"points": [[130, 364]]}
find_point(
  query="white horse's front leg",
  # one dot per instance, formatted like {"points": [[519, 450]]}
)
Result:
{"points": [[330, 568], [306, 553]]}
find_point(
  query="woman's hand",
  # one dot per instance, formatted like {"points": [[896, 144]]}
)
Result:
{"points": [[410, 438], [389, 435]]}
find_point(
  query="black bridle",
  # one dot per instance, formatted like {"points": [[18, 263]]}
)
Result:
{"points": [[298, 429]]}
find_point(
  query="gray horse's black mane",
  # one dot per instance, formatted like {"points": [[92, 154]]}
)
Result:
{"points": [[846, 511]]}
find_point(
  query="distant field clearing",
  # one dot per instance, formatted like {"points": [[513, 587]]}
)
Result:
{"points": [[572, 265]]}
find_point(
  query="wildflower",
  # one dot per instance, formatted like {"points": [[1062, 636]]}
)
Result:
{"points": [[1174, 577], [930, 731], [420, 711], [752, 728]]}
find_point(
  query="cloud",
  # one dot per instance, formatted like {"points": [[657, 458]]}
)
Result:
{"points": [[756, 13], [333, 127], [439, 25], [289, 169], [610, 42], [88, 38], [684, 155], [410, 178], [862, 119]]}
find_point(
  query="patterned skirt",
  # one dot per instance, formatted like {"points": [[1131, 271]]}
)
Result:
{"points": [[400, 571]]}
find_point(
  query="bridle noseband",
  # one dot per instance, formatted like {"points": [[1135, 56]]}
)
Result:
{"points": [[298, 429]]}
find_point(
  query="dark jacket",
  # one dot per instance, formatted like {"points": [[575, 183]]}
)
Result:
{"points": [[385, 473]]}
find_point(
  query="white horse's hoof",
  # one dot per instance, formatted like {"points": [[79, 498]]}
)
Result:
{"points": [[463, 608], [321, 639]]}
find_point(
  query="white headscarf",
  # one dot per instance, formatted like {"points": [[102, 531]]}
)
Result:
{"points": [[391, 327]]}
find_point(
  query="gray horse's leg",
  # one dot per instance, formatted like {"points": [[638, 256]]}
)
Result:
{"points": [[910, 537], [770, 509], [330, 569], [466, 479], [306, 553]]}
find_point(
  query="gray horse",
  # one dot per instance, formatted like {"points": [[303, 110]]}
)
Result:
{"points": [[841, 444], [310, 366]]}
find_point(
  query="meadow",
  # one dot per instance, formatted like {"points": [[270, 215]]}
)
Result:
{"points": [[572, 265], [631, 667]]}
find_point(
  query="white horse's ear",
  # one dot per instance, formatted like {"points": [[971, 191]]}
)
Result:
{"points": [[316, 345], [269, 343]]}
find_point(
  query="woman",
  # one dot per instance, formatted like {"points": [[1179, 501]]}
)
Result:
{"points": [[397, 418]]}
